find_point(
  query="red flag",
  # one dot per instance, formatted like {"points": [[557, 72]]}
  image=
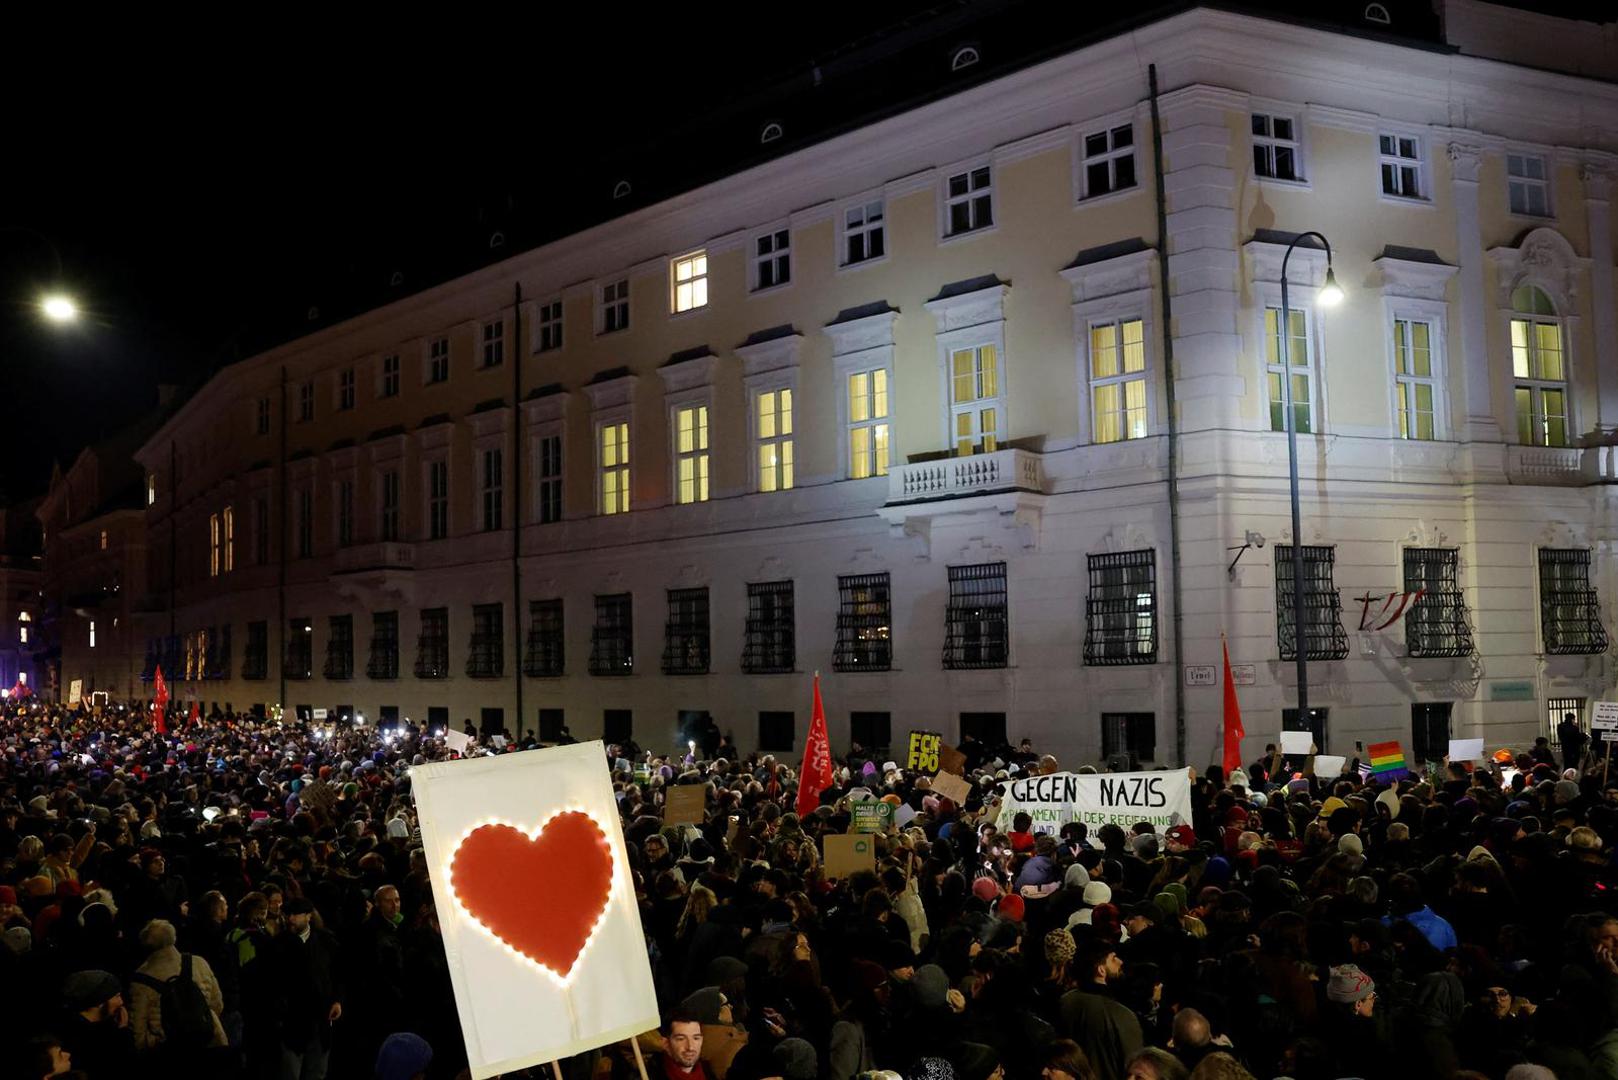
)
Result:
{"points": [[157, 720], [160, 689], [815, 776], [196, 713], [1233, 719]]}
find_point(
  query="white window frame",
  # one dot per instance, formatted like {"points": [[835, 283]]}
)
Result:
{"points": [[306, 401], [759, 441], [429, 497], [757, 261], [543, 479], [1298, 143], [492, 343], [696, 280], [228, 517], [862, 204], [606, 419], [347, 389], [490, 462], [262, 422], [1299, 298], [700, 455], [1535, 384], [388, 477], [1433, 313], [970, 320], [92, 633], [619, 305], [344, 489], [977, 405], [303, 533], [1082, 159], [1423, 164], [850, 425], [432, 357], [548, 325], [1115, 316], [216, 545], [1527, 183], [388, 378], [946, 201]]}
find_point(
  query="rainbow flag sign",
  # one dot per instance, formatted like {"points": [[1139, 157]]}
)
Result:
{"points": [[1387, 761]]}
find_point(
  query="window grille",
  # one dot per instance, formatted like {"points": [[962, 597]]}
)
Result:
{"points": [[1120, 610], [612, 639], [864, 623], [546, 654], [771, 628], [1558, 707], [1569, 613], [300, 658], [486, 658], [1324, 638], [1436, 625], [432, 646], [685, 636], [256, 657], [340, 648], [383, 662], [976, 624]]}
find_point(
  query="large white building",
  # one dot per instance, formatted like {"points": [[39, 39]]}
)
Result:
{"points": [[896, 407]]}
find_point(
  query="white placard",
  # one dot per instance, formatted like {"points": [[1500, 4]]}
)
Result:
{"points": [[502, 822], [1162, 798], [75, 691], [457, 741], [1466, 749], [1297, 742], [318, 714], [904, 815], [1329, 765], [1604, 716]]}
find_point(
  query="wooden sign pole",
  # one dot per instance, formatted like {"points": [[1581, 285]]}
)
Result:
{"points": [[640, 1062]]}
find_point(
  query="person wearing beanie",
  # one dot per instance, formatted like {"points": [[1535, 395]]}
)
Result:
{"points": [[1011, 907], [403, 1056], [796, 1059], [722, 1040], [976, 1061], [1060, 950], [97, 1034], [985, 889], [1355, 1029]]}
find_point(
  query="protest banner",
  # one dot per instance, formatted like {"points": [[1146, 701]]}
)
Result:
{"points": [[951, 787], [541, 930], [1162, 798], [923, 753], [1604, 716], [870, 817], [847, 854], [686, 804]]}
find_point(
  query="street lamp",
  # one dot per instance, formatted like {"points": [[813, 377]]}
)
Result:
{"points": [[1329, 296], [59, 308]]}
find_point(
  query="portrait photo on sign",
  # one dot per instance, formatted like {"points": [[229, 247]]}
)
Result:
{"points": [[531, 881]]}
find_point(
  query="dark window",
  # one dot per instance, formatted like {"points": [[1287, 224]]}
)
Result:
{"points": [[172, 664], [261, 531], [976, 626], [1569, 613], [494, 343], [219, 653], [263, 416], [154, 656], [340, 648], [486, 659], [864, 623], [390, 375], [551, 723], [617, 725], [550, 479], [1120, 612], [1429, 730], [1133, 734], [1316, 725], [384, 659], [771, 629], [1435, 625], [1557, 708], [300, 648], [432, 646], [546, 654], [970, 201], [388, 716], [493, 488], [437, 718], [550, 326], [256, 657], [438, 360], [776, 731], [491, 720], [871, 730], [390, 505], [612, 638], [615, 306], [988, 727], [685, 637], [1324, 638]]}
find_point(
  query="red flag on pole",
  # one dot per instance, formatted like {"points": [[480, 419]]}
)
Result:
{"points": [[160, 700], [815, 776], [1233, 718], [196, 713]]}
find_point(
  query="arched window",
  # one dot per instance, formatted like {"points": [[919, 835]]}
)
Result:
{"points": [[772, 131], [314, 314], [498, 239], [1538, 369], [1376, 13], [964, 57], [621, 189], [397, 279]]}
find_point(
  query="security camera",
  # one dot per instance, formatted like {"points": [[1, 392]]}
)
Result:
{"points": [[1255, 538]]}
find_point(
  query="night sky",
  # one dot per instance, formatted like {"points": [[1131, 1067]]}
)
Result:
{"points": [[203, 198]]}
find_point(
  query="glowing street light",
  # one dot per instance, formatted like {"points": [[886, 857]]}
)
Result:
{"points": [[59, 308]]}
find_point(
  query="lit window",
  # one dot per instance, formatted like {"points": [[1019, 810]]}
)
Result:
{"points": [[690, 281], [868, 423], [345, 389], [614, 468], [863, 232], [1108, 163], [1538, 369], [1276, 153], [969, 201], [691, 453], [493, 488], [974, 400], [1302, 370], [23, 621], [1401, 166], [390, 375], [772, 259], [1414, 385], [92, 633], [306, 401], [1118, 380], [103, 539], [151, 488], [775, 440], [215, 545], [229, 520], [438, 360], [1528, 184], [550, 326], [494, 343], [615, 306]]}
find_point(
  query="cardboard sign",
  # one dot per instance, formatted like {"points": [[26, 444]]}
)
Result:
{"points": [[1466, 749], [317, 795], [951, 787], [687, 804], [1162, 798], [318, 714], [951, 760], [75, 691], [847, 854], [1604, 716], [923, 753], [534, 983], [870, 817], [1297, 742]]}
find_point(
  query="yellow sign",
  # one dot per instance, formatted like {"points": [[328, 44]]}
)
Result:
{"points": [[923, 755]]}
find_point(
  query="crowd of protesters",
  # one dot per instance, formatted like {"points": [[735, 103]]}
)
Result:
{"points": [[244, 897]]}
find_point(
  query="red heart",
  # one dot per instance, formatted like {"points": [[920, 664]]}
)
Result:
{"points": [[543, 895]]}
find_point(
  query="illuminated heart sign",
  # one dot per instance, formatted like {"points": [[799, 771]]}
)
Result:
{"points": [[542, 895]]}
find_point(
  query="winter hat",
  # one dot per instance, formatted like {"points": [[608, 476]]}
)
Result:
{"points": [[796, 1059], [1077, 877], [1097, 892], [1529, 1072], [1011, 907], [705, 1004], [1349, 984], [931, 984], [87, 989], [975, 1061], [18, 939], [1182, 835], [1331, 806], [402, 1056], [1350, 844], [1566, 792], [985, 889], [1390, 799], [1060, 946], [933, 1068]]}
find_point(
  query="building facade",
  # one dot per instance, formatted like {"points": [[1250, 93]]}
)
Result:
{"points": [[21, 649], [897, 408]]}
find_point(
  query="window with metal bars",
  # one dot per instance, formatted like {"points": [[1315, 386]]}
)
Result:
{"points": [[1556, 710], [219, 653], [612, 638], [256, 656], [1134, 734], [864, 623], [1569, 613], [976, 624], [771, 644], [300, 658], [340, 648], [1436, 625], [1324, 638], [486, 657], [432, 645], [383, 663], [546, 655], [1120, 610], [685, 636]]}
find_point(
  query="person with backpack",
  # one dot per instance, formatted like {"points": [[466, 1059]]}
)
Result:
{"points": [[175, 1002]]}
